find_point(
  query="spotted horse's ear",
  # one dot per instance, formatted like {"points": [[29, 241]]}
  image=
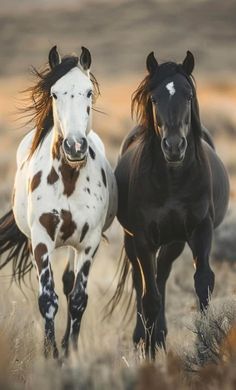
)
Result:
{"points": [[54, 57], [188, 63], [151, 63], [85, 58]]}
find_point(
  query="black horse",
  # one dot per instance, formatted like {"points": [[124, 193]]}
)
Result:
{"points": [[173, 189]]}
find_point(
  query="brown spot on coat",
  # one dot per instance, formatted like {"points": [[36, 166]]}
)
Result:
{"points": [[104, 179], [87, 249], [92, 153], [35, 181], [84, 231], [39, 251], [69, 178], [50, 221], [52, 176], [95, 251], [86, 267], [68, 279], [56, 147], [68, 226]]}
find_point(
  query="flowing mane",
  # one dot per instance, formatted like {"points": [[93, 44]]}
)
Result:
{"points": [[141, 105], [39, 111]]}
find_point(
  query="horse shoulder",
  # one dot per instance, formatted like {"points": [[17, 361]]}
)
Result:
{"points": [[24, 148], [105, 175], [96, 141]]}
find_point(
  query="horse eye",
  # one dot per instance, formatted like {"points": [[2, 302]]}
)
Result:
{"points": [[89, 94], [54, 95]]}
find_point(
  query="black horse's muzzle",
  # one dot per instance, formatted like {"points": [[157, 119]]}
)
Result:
{"points": [[75, 149], [174, 149]]}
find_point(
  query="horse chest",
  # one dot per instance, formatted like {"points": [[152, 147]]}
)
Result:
{"points": [[175, 219], [171, 218], [69, 206]]}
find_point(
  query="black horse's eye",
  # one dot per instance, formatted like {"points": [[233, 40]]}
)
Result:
{"points": [[89, 94], [54, 95]]}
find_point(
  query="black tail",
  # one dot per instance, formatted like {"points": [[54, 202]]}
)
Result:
{"points": [[16, 244]]}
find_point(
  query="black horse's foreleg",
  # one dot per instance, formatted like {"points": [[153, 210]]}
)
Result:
{"points": [[165, 258], [139, 331], [204, 278], [151, 301], [68, 280]]}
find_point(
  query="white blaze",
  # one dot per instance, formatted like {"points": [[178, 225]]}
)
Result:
{"points": [[171, 88]]}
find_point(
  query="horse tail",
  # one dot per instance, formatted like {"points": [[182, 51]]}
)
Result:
{"points": [[16, 245], [124, 271]]}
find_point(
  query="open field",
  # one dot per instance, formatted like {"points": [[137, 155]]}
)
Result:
{"points": [[120, 34]]}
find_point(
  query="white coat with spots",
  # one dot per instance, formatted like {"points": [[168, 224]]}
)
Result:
{"points": [[65, 190]]}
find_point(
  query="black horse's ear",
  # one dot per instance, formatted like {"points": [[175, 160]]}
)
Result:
{"points": [[151, 63], [85, 58], [188, 63], [54, 57]]}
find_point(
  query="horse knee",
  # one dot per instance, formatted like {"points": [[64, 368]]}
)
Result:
{"points": [[48, 304]]}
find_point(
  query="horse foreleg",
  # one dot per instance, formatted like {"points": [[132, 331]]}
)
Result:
{"points": [[165, 258], [68, 280], [204, 278], [139, 330], [79, 296], [48, 299], [151, 301]]}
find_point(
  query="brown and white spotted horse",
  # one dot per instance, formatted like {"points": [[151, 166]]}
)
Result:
{"points": [[65, 192]]}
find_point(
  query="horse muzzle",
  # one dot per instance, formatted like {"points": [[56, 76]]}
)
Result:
{"points": [[174, 150], [75, 150]]}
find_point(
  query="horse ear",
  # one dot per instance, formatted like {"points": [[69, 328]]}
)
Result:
{"points": [[188, 63], [85, 58], [151, 63], [54, 57]]}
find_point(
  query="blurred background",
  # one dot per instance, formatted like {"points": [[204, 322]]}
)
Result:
{"points": [[119, 34]]}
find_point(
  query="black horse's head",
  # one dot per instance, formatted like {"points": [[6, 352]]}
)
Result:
{"points": [[166, 101], [171, 100]]}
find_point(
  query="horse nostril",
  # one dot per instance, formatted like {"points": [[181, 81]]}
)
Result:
{"points": [[67, 146], [182, 143], [166, 144]]}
